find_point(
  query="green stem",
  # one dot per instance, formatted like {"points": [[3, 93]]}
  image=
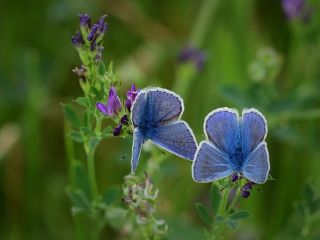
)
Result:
{"points": [[91, 172], [184, 79], [223, 204], [222, 210], [203, 22]]}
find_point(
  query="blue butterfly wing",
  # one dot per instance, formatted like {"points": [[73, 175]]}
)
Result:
{"points": [[256, 167], [221, 127], [254, 130], [163, 106], [210, 164], [177, 138], [138, 140], [138, 109]]}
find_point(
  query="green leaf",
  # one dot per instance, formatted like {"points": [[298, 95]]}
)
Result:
{"points": [[308, 193], [271, 178], [82, 101], [231, 223], [81, 180], [76, 136], [111, 195], [96, 92], [203, 213], [78, 198], [102, 68], [219, 218], [87, 131], [107, 132], [215, 197], [93, 142], [71, 116], [240, 215]]}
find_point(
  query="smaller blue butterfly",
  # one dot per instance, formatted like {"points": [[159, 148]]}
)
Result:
{"points": [[155, 116], [235, 145]]}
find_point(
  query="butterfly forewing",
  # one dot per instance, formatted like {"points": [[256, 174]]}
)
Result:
{"points": [[138, 109], [254, 130], [221, 128], [164, 106]]}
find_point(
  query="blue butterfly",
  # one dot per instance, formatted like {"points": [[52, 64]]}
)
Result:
{"points": [[155, 116], [235, 145]]}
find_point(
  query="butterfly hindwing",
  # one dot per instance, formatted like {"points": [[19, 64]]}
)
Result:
{"points": [[210, 164], [256, 167], [138, 140], [254, 130], [220, 127], [177, 138]]}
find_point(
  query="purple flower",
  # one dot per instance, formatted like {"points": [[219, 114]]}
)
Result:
{"points": [[194, 55], [124, 120], [248, 186], [102, 25], [77, 39], [85, 20], [131, 96], [98, 29], [245, 189], [113, 106], [234, 177], [117, 130], [245, 194], [296, 9], [93, 32]]}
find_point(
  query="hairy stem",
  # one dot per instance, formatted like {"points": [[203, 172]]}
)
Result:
{"points": [[91, 172]]}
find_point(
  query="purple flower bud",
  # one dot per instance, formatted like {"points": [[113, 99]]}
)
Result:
{"points": [[295, 9], [77, 39], [124, 120], [113, 106], [102, 25], [102, 108], [191, 54], [85, 20], [131, 96], [98, 56], [248, 186], [234, 177], [245, 194], [117, 130], [93, 32], [128, 105]]}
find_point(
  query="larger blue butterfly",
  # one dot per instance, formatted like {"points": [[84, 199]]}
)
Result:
{"points": [[235, 145], [155, 116]]}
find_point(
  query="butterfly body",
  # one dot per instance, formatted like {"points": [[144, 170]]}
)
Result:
{"points": [[155, 116], [235, 145]]}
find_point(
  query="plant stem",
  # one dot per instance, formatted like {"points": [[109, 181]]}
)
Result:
{"points": [[223, 204], [91, 172], [184, 80]]}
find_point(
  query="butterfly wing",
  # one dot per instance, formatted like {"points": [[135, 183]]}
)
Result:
{"points": [[138, 109], [254, 130], [164, 106], [138, 140], [177, 138], [210, 164], [220, 127], [256, 167]]}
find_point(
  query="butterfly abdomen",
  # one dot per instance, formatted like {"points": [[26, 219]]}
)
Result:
{"points": [[237, 159]]}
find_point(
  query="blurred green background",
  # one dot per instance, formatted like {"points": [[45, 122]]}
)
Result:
{"points": [[255, 57]]}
